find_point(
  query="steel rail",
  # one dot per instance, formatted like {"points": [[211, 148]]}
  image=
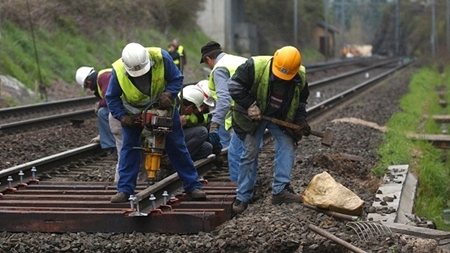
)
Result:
{"points": [[145, 205], [84, 206], [54, 106], [15, 111], [86, 114], [25, 125], [62, 206], [315, 110], [325, 81], [323, 66], [46, 164]]}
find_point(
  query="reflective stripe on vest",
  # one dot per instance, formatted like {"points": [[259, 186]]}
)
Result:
{"points": [[192, 120], [260, 89], [100, 93], [133, 99], [231, 63], [180, 50]]}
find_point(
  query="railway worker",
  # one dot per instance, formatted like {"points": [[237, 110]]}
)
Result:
{"points": [[222, 67], [174, 54], [207, 107], [116, 129], [193, 122], [114, 126], [139, 78], [274, 86], [97, 82], [182, 60]]}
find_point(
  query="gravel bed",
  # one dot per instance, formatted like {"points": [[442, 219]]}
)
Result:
{"points": [[264, 227], [31, 145]]}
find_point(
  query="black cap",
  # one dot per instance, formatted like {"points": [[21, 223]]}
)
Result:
{"points": [[210, 47]]}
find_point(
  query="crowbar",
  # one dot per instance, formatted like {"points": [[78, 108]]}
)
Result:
{"points": [[327, 136]]}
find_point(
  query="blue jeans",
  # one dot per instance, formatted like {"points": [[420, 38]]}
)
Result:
{"points": [[283, 163], [196, 141], [175, 148], [107, 139], [224, 135], [235, 149]]}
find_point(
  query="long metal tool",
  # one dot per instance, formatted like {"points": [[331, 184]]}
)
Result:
{"points": [[335, 239], [327, 136]]}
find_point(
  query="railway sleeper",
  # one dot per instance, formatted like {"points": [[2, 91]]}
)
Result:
{"points": [[50, 206]]}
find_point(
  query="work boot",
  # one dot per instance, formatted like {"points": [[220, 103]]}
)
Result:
{"points": [[197, 194], [109, 152], [120, 197], [287, 195], [239, 206]]}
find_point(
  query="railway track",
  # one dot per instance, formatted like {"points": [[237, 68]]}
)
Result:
{"points": [[57, 201], [25, 118], [23, 113]]}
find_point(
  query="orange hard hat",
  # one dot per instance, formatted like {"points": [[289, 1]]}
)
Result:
{"points": [[286, 62]]}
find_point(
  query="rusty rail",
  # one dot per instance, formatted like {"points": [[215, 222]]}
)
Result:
{"points": [[78, 206], [71, 206]]}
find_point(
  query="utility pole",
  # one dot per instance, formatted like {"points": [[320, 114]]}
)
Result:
{"points": [[448, 26], [295, 23], [42, 89], [326, 29], [397, 27], [433, 30], [343, 4]]}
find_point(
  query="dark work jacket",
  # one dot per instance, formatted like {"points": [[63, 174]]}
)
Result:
{"points": [[245, 86]]}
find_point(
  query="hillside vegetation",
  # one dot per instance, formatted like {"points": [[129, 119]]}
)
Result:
{"points": [[70, 34], [43, 42]]}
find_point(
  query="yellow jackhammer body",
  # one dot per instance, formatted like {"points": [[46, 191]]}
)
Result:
{"points": [[157, 124]]}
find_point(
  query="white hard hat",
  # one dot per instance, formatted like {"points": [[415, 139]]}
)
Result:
{"points": [[136, 60], [208, 99], [193, 94], [82, 74]]}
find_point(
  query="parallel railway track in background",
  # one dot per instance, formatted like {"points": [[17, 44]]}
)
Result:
{"points": [[25, 118], [56, 199]]}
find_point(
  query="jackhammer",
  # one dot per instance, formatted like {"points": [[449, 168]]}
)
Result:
{"points": [[157, 125]]}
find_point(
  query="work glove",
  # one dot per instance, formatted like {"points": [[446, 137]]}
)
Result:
{"points": [[303, 128], [254, 112], [165, 100], [130, 120], [96, 107], [96, 139], [214, 139], [214, 127]]}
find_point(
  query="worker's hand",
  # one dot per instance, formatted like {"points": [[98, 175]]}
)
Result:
{"points": [[213, 127], [96, 107], [183, 120], [214, 139], [165, 100], [303, 128], [129, 120], [254, 112], [96, 139]]}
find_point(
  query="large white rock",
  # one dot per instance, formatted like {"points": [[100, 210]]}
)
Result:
{"points": [[324, 192]]}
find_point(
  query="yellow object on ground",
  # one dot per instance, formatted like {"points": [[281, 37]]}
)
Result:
{"points": [[324, 192]]}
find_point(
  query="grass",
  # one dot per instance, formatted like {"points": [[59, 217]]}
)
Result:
{"points": [[428, 163], [61, 52]]}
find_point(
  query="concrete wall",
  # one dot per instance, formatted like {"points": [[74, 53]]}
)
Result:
{"points": [[246, 39], [223, 21], [212, 21]]}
